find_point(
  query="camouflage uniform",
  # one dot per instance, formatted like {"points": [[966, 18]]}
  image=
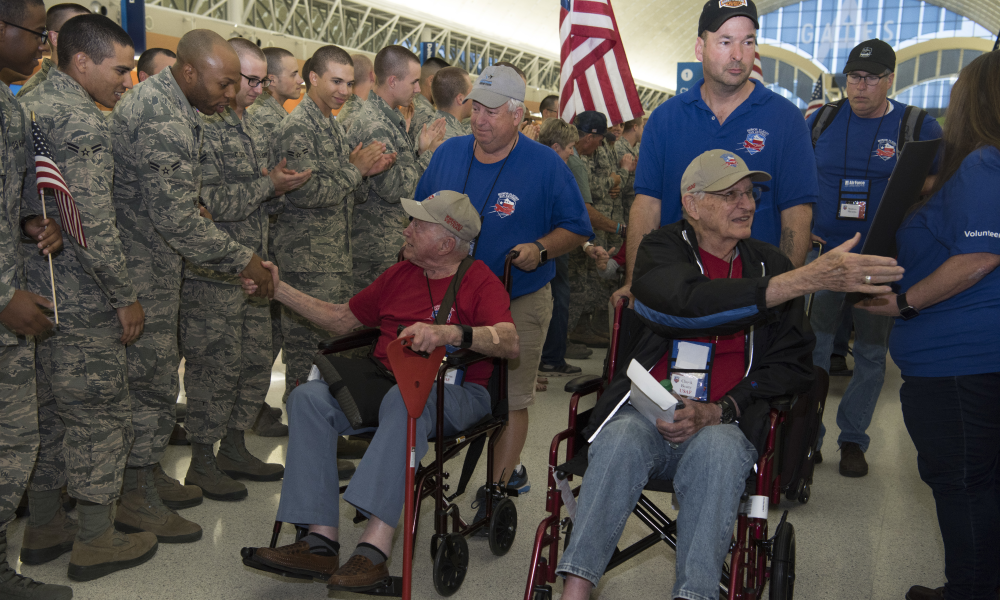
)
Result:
{"points": [[84, 411], [452, 126], [38, 78], [225, 334], [423, 114], [622, 148], [18, 408], [602, 165], [157, 142], [379, 219], [582, 271], [268, 114], [313, 238], [349, 109]]}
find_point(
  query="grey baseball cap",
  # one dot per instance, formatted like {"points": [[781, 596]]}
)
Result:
{"points": [[495, 86]]}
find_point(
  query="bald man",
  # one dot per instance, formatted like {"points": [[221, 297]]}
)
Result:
{"points": [[55, 17], [157, 142], [364, 81]]}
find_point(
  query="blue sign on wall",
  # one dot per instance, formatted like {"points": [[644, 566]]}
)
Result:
{"points": [[134, 23], [427, 50], [688, 73]]}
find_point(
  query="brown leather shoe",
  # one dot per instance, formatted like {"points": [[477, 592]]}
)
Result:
{"points": [[919, 592], [296, 558], [359, 575], [852, 460]]}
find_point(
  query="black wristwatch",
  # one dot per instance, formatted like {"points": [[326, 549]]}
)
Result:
{"points": [[466, 337], [543, 254], [905, 310], [728, 410]]}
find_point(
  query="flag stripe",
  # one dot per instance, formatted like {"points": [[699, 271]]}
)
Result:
{"points": [[48, 176]]}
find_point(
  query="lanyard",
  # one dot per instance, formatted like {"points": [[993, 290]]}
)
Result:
{"points": [[847, 138]]}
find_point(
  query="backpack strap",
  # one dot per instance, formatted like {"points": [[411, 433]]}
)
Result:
{"points": [[909, 126], [825, 116], [449, 295]]}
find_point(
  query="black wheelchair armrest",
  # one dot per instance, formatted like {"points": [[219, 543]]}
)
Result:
{"points": [[584, 384], [350, 341], [464, 357], [783, 403]]}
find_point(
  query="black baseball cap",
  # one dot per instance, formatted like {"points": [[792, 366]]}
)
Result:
{"points": [[717, 12], [591, 121], [871, 56]]}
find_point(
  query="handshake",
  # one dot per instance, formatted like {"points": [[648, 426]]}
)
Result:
{"points": [[260, 278]]}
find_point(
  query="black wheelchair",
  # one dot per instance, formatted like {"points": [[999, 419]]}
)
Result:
{"points": [[756, 560], [448, 548]]}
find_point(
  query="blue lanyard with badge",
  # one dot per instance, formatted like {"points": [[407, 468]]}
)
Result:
{"points": [[855, 192]]}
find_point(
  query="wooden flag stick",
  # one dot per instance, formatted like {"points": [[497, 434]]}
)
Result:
{"points": [[52, 276]]}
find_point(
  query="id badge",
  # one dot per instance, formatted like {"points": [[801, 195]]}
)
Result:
{"points": [[454, 376], [852, 204], [690, 369]]}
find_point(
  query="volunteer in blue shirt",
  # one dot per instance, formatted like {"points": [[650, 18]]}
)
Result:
{"points": [[529, 203], [946, 340], [729, 111], [855, 154]]}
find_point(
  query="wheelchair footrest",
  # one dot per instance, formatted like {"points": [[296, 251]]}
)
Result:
{"points": [[393, 589]]}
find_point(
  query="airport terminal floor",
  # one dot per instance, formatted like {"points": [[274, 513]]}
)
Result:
{"points": [[857, 539]]}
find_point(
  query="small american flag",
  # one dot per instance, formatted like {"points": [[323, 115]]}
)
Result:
{"points": [[49, 177], [816, 100], [595, 73]]}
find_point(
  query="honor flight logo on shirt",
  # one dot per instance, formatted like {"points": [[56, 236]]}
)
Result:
{"points": [[437, 307], [886, 149], [755, 140], [506, 203]]}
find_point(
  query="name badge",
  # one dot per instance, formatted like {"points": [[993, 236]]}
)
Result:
{"points": [[854, 195]]}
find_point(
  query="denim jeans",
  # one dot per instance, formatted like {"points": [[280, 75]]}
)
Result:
{"points": [[310, 491], [709, 472], [955, 425], [871, 344], [554, 350]]}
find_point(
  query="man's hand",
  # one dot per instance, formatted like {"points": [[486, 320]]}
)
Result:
{"points": [[841, 270], [284, 179], [531, 130], [815, 238], [22, 315], [597, 253], [47, 232], [132, 318], [260, 276], [883, 305], [628, 163], [431, 136], [427, 337], [689, 420], [203, 211], [384, 162], [616, 189], [528, 256], [624, 291], [250, 286], [365, 158]]}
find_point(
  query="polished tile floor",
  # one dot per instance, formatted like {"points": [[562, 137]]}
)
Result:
{"points": [[868, 538]]}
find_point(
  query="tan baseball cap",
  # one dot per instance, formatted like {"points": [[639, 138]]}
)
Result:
{"points": [[495, 86], [716, 170], [450, 209]]}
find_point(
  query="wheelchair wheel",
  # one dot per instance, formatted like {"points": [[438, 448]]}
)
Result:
{"points": [[450, 564], [783, 564], [503, 527], [804, 494]]}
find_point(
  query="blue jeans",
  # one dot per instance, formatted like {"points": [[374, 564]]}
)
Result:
{"points": [[310, 491], [955, 425], [554, 350], [871, 344], [709, 472]]}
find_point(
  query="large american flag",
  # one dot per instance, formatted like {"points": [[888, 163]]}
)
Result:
{"points": [[816, 101], [595, 73], [50, 177], [757, 72]]}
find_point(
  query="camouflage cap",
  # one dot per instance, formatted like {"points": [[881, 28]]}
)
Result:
{"points": [[716, 170], [451, 210], [496, 85]]}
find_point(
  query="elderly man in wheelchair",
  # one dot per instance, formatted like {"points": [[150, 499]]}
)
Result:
{"points": [[406, 297], [722, 320]]}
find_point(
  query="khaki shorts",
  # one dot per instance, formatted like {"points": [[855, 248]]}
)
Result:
{"points": [[531, 314]]}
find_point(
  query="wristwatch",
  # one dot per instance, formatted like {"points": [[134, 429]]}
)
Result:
{"points": [[543, 254], [728, 410], [905, 310], [466, 336]]}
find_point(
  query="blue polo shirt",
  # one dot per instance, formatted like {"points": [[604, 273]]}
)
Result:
{"points": [[869, 153], [520, 201], [961, 335], [766, 130]]}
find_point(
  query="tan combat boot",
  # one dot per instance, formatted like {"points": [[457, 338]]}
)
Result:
{"points": [[174, 495], [141, 509], [49, 533], [237, 462], [99, 550], [18, 587], [205, 473]]}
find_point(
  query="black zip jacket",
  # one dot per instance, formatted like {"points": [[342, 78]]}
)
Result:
{"points": [[676, 300]]}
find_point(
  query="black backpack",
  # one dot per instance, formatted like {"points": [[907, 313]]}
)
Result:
{"points": [[913, 119]]}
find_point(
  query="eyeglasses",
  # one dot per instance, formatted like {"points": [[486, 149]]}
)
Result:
{"points": [[733, 197], [254, 81], [44, 33], [855, 79]]}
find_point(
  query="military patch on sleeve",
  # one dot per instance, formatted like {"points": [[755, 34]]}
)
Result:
{"points": [[87, 152], [165, 170]]}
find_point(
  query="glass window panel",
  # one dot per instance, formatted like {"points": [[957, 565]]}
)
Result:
{"points": [[769, 25], [969, 56], [949, 61], [807, 26], [952, 22], [932, 17], [928, 66], [889, 31], [804, 87], [767, 68], [868, 28], [905, 72], [910, 21], [790, 24], [786, 76]]}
